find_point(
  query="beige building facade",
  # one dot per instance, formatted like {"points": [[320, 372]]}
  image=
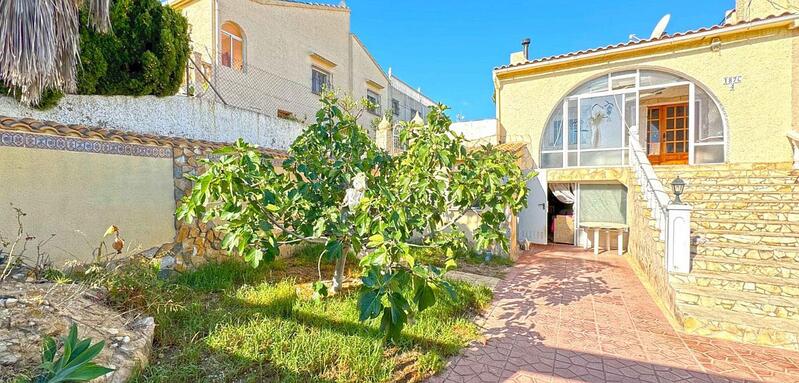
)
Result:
{"points": [[275, 56]]}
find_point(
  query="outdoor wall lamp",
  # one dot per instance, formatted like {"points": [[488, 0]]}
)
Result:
{"points": [[677, 186]]}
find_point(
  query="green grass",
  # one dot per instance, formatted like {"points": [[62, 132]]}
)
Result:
{"points": [[230, 323], [470, 257]]}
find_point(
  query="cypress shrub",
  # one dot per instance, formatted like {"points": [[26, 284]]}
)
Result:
{"points": [[145, 52]]}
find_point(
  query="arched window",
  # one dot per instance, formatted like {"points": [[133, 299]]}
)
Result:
{"points": [[231, 41], [677, 122]]}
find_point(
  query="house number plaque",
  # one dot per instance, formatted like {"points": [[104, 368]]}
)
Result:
{"points": [[732, 81]]}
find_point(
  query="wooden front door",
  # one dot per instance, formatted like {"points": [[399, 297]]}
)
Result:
{"points": [[667, 134]]}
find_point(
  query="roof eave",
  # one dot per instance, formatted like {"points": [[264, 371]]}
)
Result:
{"points": [[791, 19]]}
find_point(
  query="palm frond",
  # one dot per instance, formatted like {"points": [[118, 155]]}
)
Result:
{"points": [[39, 43]]}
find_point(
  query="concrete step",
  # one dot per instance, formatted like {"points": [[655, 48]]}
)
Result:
{"points": [[736, 301], [740, 251], [750, 238], [781, 268], [740, 326], [773, 286], [700, 224]]}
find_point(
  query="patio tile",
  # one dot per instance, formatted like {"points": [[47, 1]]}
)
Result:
{"points": [[563, 315]]}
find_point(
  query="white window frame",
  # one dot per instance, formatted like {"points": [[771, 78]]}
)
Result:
{"points": [[625, 92], [232, 38]]}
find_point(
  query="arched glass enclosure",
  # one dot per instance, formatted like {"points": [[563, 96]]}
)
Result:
{"points": [[677, 121]]}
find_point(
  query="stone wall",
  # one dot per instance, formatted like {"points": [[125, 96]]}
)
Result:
{"points": [[646, 251], [175, 116]]}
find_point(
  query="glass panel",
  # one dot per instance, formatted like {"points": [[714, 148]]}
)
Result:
{"points": [[572, 158], [553, 137], [552, 160], [238, 54], [601, 158], [630, 113], [599, 84], [653, 132], [600, 123], [226, 54], [708, 123], [649, 77], [709, 154], [572, 116], [623, 83], [603, 203]]}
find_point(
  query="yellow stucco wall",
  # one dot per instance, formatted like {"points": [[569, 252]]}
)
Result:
{"points": [[758, 112], [201, 33], [78, 195]]}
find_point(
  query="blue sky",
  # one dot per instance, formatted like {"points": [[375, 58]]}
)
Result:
{"points": [[448, 48]]}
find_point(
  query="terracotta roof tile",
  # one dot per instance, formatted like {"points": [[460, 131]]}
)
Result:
{"points": [[82, 131], [639, 42], [317, 4]]}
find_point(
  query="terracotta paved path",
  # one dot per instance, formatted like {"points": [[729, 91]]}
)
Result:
{"points": [[562, 315]]}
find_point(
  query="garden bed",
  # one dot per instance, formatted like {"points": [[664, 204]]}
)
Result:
{"points": [[228, 322]]}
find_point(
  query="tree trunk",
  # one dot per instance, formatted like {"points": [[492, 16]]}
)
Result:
{"points": [[338, 276]]}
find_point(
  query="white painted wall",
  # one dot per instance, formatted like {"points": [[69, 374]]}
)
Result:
{"points": [[477, 132], [176, 116]]}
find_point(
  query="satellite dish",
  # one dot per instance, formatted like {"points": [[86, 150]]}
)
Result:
{"points": [[660, 28]]}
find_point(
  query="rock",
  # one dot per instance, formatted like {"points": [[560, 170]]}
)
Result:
{"points": [[168, 262], [166, 274], [149, 253], [8, 359], [10, 302]]}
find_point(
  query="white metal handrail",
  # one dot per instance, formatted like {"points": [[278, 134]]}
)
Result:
{"points": [[654, 193], [793, 139]]}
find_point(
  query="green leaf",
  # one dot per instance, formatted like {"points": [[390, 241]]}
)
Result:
{"points": [[48, 349], [424, 296], [333, 249], [320, 290], [87, 372], [370, 305], [375, 240]]}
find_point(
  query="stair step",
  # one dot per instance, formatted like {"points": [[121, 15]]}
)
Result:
{"points": [[741, 251], [740, 215], [750, 238], [782, 268], [784, 165], [700, 224], [755, 188], [757, 206], [776, 286], [741, 327], [734, 180], [736, 301], [712, 195]]}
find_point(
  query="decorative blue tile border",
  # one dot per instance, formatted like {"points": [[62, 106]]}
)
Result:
{"points": [[76, 144]]}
